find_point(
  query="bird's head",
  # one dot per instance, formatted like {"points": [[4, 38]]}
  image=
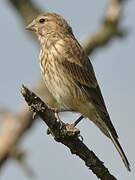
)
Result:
{"points": [[47, 23]]}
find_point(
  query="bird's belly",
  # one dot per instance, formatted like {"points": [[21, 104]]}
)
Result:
{"points": [[64, 90]]}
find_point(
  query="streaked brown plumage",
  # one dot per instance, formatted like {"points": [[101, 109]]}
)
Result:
{"points": [[69, 75]]}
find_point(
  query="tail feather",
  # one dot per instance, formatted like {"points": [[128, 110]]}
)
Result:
{"points": [[120, 150]]}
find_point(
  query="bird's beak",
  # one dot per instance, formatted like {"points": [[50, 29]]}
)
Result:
{"points": [[31, 27]]}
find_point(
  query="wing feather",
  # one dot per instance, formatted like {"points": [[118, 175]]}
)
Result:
{"points": [[78, 65]]}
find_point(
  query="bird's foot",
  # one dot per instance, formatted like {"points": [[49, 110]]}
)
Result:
{"points": [[71, 130], [58, 118], [56, 111], [81, 137]]}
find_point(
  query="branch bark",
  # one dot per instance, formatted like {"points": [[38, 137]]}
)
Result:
{"points": [[26, 9], [109, 29], [13, 128], [67, 135]]}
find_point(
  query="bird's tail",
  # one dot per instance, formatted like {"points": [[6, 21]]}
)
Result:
{"points": [[120, 150]]}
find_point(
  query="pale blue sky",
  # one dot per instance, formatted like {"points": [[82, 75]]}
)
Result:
{"points": [[115, 71]]}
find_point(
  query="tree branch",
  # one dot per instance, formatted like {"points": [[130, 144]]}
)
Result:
{"points": [[26, 9], [109, 29], [13, 128], [67, 135]]}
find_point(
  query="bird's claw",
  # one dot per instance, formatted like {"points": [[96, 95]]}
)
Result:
{"points": [[81, 137]]}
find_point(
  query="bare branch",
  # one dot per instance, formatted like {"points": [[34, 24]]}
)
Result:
{"points": [[67, 135], [110, 28], [26, 9], [13, 128]]}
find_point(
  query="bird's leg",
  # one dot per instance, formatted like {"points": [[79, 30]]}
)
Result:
{"points": [[57, 115], [78, 120], [56, 111], [70, 127], [75, 123]]}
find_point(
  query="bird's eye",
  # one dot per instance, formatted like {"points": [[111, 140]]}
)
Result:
{"points": [[42, 20]]}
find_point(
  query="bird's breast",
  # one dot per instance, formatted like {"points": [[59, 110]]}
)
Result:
{"points": [[60, 84]]}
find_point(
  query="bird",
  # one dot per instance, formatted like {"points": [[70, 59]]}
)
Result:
{"points": [[69, 75]]}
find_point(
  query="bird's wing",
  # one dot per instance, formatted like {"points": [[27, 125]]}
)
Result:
{"points": [[78, 65]]}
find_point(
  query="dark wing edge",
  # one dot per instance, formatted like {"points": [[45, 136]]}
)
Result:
{"points": [[98, 101]]}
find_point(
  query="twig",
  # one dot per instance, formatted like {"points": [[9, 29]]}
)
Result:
{"points": [[26, 9], [109, 29], [66, 134], [13, 128]]}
